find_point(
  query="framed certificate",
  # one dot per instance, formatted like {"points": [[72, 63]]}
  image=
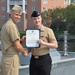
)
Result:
{"points": [[32, 35]]}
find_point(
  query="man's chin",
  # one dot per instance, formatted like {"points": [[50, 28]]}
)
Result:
{"points": [[17, 21], [37, 24]]}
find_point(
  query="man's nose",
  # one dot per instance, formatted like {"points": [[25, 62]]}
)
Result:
{"points": [[19, 17]]}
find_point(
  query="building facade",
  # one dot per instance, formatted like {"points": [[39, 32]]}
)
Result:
{"points": [[27, 7], [42, 5]]}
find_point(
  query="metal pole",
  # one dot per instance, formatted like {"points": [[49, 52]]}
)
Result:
{"points": [[24, 6], [24, 14], [8, 6], [65, 43]]}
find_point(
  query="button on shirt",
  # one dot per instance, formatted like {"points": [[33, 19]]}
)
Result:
{"points": [[47, 35]]}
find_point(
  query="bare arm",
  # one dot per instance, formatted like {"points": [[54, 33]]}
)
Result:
{"points": [[20, 48], [50, 45]]}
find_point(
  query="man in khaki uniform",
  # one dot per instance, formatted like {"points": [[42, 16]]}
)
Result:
{"points": [[10, 39], [40, 63]]}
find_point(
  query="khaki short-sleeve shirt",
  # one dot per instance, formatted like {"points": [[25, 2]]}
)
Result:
{"points": [[9, 34], [48, 36]]}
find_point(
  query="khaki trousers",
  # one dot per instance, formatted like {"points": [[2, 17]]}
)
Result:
{"points": [[10, 65]]}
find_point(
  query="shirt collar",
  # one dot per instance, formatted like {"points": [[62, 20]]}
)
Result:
{"points": [[42, 28]]}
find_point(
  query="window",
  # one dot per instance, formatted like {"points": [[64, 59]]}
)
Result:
{"points": [[3, 17], [3, 8], [44, 1], [3, 0], [33, 0], [65, 1], [56, 0], [33, 7], [44, 9]]}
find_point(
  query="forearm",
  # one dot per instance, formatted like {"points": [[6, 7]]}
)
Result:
{"points": [[51, 45], [20, 48]]}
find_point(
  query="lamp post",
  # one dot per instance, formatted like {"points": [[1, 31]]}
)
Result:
{"points": [[65, 43]]}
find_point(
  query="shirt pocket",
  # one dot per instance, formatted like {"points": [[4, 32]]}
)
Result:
{"points": [[44, 38]]}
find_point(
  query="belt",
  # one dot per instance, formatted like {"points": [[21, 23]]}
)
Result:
{"points": [[37, 57]]}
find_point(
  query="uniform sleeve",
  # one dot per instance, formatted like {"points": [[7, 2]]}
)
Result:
{"points": [[51, 36], [14, 33]]}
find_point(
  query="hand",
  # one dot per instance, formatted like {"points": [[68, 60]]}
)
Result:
{"points": [[41, 42], [23, 38], [25, 53]]}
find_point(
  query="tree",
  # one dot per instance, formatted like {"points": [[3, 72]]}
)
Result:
{"points": [[47, 19], [60, 19], [70, 17]]}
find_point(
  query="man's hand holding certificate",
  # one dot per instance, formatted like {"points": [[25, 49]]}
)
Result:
{"points": [[32, 35]]}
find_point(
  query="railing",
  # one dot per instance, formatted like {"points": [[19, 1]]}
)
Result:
{"points": [[17, 2]]}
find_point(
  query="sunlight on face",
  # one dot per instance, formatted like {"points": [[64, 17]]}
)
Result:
{"points": [[37, 20], [15, 16]]}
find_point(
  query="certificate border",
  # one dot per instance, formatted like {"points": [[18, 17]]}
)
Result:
{"points": [[39, 36]]}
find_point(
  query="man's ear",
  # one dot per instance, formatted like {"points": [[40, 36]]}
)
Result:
{"points": [[11, 13]]}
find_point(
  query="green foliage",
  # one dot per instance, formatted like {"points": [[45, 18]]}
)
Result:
{"points": [[60, 19], [0, 29], [22, 33], [46, 17]]}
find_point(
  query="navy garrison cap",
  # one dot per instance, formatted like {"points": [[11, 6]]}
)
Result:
{"points": [[17, 8], [35, 14]]}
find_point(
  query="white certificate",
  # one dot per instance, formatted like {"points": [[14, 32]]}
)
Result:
{"points": [[32, 35]]}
